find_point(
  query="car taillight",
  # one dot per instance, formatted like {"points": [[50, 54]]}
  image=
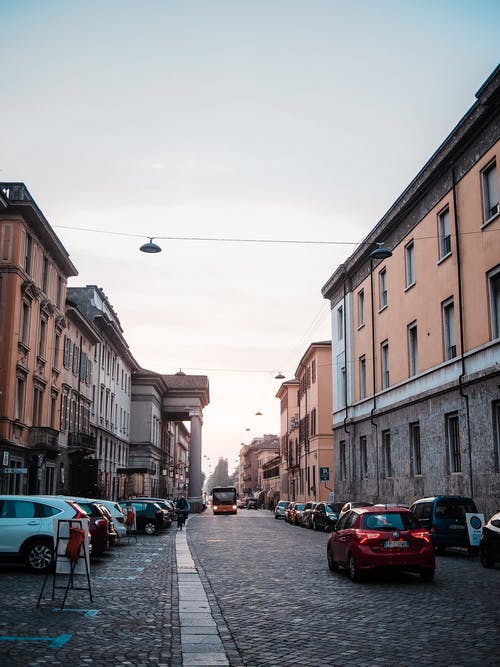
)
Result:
{"points": [[421, 535], [159, 514], [79, 514], [365, 535], [101, 522]]}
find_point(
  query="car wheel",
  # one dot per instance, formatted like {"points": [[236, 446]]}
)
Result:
{"points": [[427, 575], [354, 573], [332, 564], [486, 561], [150, 528], [38, 556]]}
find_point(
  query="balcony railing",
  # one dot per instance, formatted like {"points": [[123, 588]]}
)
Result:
{"points": [[82, 441], [41, 436]]}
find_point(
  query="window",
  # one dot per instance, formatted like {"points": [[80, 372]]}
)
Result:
{"points": [[386, 452], [363, 457], [28, 254], [496, 433], [59, 291], [57, 345], [37, 406], [24, 334], [490, 191], [412, 349], [45, 275], [343, 460], [20, 398], [450, 343], [75, 367], [313, 371], [362, 377], [410, 264], [453, 443], [361, 308], [384, 357], [340, 323], [341, 380], [444, 233], [382, 288], [494, 290], [42, 338], [313, 421], [415, 453]]}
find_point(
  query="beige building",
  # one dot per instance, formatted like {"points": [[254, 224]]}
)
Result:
{"points": [[415, 331], [306, 435], [34, 268]]}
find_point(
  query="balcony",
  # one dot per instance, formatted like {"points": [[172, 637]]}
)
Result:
{"points": [[82, 441], [41, 436]]}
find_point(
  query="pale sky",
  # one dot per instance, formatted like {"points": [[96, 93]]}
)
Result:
{"points": [[255, 119]]}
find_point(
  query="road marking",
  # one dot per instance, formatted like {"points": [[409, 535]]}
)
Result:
{"points": [[54, 642], [86, 612], [129, 578]]}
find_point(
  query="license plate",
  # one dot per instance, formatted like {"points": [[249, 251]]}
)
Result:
{"points": [[457, 527], [396, 544]]}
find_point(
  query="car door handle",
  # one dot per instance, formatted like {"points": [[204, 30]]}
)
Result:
{"points": [[32, 523]]}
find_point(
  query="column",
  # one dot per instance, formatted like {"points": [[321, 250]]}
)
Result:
{"points": [[195, 478]]}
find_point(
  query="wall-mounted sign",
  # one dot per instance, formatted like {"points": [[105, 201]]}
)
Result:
{"points": [[5, 459]]}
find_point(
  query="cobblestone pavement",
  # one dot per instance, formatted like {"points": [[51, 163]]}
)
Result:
{"points": [[262, 595], [282, 607]]}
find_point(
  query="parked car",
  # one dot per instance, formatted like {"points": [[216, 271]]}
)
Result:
{"points": [[368, 538], [280, 509], [444, 518], [489, 550], [102, 532], [324, 516], [251, 504], [118, 516], [150, 517], [27, 528], [297, 513], [288, 512], [166, 505], [306, 515], [351, 504]]}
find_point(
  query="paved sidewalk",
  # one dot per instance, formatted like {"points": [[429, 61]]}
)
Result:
{"points": [[201, 644]]}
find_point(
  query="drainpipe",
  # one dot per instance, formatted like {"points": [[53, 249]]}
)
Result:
{"points": [[464, 395], [346, 416], [374, 406]]}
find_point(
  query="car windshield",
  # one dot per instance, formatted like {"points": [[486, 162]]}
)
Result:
{"points": [[389, 521], [300, 506]]}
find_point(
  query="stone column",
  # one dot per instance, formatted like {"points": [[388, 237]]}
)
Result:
{"points": [[195, 478]]}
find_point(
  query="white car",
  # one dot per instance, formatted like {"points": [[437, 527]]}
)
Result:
{"points": [[27, 528]]}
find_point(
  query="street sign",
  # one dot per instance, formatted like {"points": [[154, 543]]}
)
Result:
{"points": [[16, 471], [5, 459], [324, 474]]}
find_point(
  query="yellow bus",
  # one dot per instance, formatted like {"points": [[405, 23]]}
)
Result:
{"points": [[224, 500]]}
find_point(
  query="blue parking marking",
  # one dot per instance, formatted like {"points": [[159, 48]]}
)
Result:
{"points": [[86, 612], [54, 642]]}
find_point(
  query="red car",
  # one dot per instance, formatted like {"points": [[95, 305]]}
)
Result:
{"points": [[380, 536]]}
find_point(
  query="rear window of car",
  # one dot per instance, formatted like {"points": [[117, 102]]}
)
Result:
{"points": [[300, 506], [454, 509], [389, 521]]}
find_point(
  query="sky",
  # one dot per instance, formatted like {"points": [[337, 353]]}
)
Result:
{"points": [[277, 120]]}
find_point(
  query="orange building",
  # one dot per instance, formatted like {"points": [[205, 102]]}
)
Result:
{"points": [[306, 435], [415, 331], [34, 268]]}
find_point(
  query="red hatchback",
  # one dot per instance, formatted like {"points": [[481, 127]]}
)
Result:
{"points": [[380, 536]]}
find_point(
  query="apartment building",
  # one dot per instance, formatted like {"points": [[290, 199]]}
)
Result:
{"points": [[287, 395], [415, 331], [34, 269], [262, 448], [113, 365]]}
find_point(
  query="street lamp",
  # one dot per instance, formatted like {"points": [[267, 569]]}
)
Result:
{"points": [[378, 253], [150, 247]]}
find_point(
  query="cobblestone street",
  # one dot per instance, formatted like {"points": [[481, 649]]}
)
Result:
{"points": [[266, 598]]}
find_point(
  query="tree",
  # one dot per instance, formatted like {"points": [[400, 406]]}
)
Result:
{"points": [[220, 475]]}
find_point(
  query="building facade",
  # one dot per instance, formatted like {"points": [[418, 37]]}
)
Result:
{"points": [[34, 269], [415, 331], [262, 448]]}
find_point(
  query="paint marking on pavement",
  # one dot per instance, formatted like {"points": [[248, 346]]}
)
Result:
{"points": [[86, 612], [129, 578], [54, 642]]}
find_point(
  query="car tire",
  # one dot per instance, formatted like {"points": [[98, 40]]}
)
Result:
{"points": [[332, 564], [427, 575], [150, 528], [352, 568], [486, 561], [39, 556]]}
